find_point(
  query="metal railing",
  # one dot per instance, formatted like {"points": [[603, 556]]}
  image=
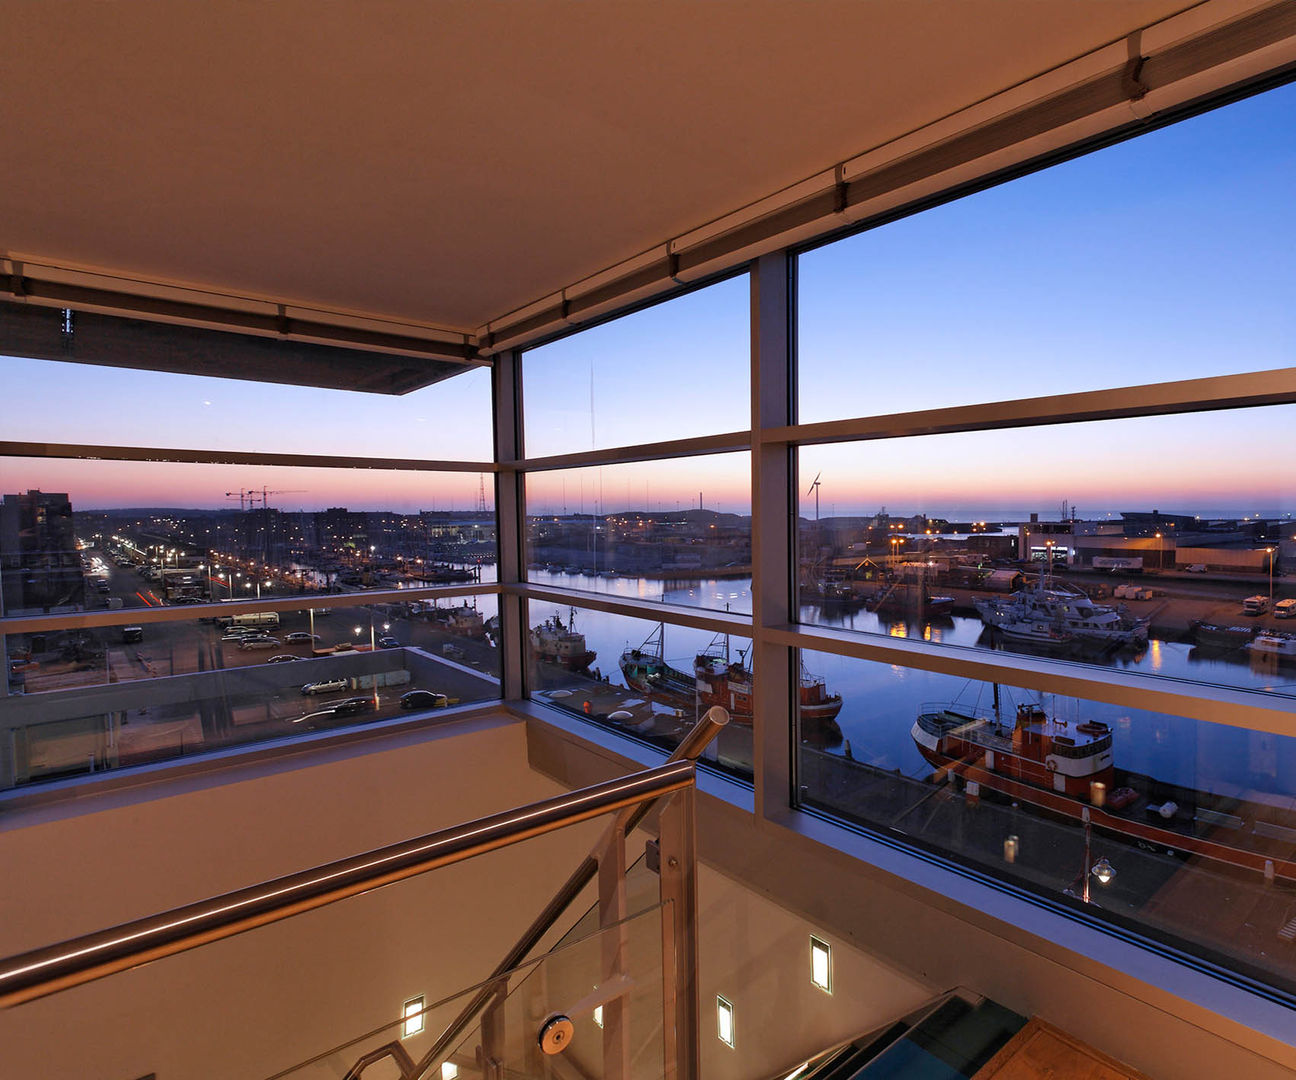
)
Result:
{"points": [[42, 972]]}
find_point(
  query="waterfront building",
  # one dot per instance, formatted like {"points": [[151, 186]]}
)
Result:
{"points": [[703, 290]]}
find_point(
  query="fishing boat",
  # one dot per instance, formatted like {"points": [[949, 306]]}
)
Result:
{"points": [[1069, 769], [719, 680], [552, 642], [728, 683], [646, 670], [1048, 753]]}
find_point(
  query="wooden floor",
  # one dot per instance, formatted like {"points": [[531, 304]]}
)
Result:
{"points": [[1041, 1052]]}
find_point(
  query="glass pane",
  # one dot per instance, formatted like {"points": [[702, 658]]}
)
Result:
{"points": [[678, 531], [1165, 257], [624, 960], [678, 369], [80, 535], [86, 700], [1180, 829], [649, 680], [65, 403], [1169, 553]]}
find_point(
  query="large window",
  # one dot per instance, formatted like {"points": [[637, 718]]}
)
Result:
{"points": [[673, 371], [1166, 257], [1017, 601]]}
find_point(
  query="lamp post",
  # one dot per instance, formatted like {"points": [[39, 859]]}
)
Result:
{"points": [[1270, 552], [1160, 553]]}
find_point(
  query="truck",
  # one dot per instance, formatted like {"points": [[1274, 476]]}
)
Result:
{"points": [[1255, 605]]}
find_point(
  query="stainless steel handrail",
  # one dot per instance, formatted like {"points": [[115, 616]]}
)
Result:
{"points": [[689, 749], [45, 971]]}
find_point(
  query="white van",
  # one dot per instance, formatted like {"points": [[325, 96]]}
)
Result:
{"points": [[1285, 609]]}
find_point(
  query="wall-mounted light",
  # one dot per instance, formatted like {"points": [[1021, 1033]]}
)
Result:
{"points": [[821, 964], [598, 1015], [725, 1020], [412, 1017]]}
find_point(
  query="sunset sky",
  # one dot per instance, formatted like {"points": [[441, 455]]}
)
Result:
{"points": [[1166, 257]]}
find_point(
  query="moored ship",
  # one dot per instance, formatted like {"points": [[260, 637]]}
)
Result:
{"points": [[1069, 769], [718, 680], [552, 642], [1060, 615]]}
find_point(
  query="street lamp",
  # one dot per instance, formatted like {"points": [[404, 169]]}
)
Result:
{"points": [[1270, 552], [1160, 553]]}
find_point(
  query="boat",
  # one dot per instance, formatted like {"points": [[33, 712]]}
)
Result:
{"points": [[645, 670], [1069, 769], [1221, 637], [717, 680], [1063, 609], [721, 681], [1034, 749], [552, 642], [905, 597], [1282, 646]]}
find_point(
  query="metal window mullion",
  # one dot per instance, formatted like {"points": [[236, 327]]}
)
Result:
{"points": [[773, 547], [35, 624], [1277, 387], [716, 622], [510, 515], [175, 455], [729, 442], [1248, 709]]}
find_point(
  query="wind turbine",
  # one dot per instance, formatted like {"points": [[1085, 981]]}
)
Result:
{"points": [[814, 490]]}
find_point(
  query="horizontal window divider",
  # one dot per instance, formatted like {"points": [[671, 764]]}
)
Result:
{"points": [[674, 448], [37, 624], [233, 457], [1276, 387], [720, 622], [1231, 706]]}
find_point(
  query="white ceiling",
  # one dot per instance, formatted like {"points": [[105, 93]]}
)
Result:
{"points": [[446, 162]]}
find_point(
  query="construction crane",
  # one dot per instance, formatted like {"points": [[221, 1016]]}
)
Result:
{"points": [[264, 495], [241, 495]]}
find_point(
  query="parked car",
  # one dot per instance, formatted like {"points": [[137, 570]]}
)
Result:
{"points": [[324, 686], [234, 638], [132, 633], [423, 699], [301, 636], [260, 643], [389, 643], [284, 658]]}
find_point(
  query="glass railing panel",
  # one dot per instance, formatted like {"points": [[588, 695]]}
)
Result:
{"points": [[652, 681], [608, 976], [677, 369], [600, 997], [1178, 567], [1173, 828], [676, 531], [89, 699], [85, 535], [64, 403], [1008, 292]]}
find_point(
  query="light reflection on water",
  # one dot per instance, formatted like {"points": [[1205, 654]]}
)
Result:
{"points": [[880, 701]]}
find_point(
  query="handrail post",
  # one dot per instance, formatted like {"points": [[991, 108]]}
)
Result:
{"points": [[678, 848]]}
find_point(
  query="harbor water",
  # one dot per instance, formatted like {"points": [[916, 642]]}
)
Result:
{"points": [[880, 701]]}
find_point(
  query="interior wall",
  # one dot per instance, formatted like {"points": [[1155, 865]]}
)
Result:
{"points": [[934, 930], [262, 1001]]}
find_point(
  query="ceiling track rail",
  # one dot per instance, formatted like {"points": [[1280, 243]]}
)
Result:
{"points": [[21, 285], [862, 191]]}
